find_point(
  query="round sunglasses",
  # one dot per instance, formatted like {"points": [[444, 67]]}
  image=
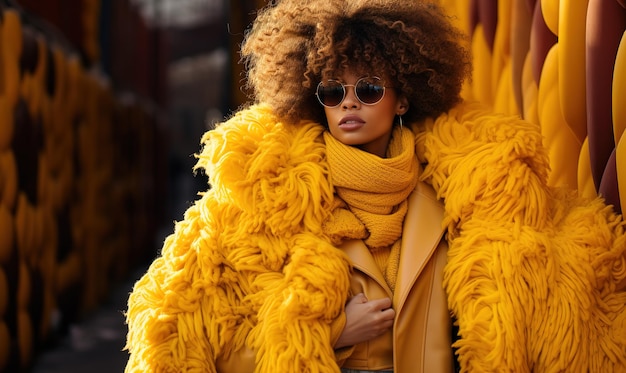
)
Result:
{"points": [[368, 90]]}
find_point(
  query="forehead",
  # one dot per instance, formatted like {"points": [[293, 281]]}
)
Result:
{"points": [[349, 76], [356, 72]]}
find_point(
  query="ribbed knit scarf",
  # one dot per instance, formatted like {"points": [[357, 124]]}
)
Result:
{"points": [[375, 189]]}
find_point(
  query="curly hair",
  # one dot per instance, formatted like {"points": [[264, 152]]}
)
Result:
{"points": [[293, 44]]}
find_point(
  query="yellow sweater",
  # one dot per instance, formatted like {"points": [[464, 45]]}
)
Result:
{"points": [[535, 277]]}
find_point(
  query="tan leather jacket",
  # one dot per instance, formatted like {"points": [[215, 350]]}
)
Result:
{"points": [[421, 334]]}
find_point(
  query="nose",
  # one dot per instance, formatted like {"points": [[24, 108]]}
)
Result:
{"points": [[350, 101]]}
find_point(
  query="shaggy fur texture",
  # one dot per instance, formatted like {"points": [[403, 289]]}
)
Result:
{"points": [[535, 276], [249, 264]]}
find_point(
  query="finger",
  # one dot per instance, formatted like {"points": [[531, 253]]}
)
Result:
{"points": [[388, 314], [383, 327], [387, 323], [381, 304]]}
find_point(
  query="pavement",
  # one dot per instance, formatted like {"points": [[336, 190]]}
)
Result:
{"points": [[95, 344]]}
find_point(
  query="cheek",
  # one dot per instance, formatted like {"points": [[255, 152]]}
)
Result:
{"points": [[331, 116], [327, 113], [389, 108]]}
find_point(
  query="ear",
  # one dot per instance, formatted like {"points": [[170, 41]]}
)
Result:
{"points": [[402, 105]]}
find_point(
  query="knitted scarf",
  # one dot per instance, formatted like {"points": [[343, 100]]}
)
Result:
{"points": [[376, 191]]}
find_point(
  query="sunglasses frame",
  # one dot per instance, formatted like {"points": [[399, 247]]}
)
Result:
{"points": [[345, 91]]}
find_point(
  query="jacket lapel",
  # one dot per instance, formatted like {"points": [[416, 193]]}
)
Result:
{"points": [[422, 232], [363, 260]]}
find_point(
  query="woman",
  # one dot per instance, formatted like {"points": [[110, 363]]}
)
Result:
{"points": [[320, 244]]}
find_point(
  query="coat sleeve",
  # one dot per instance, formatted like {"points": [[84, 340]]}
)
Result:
{"points": [[336, 327], [249, 267], [535, 274], [166, 330]]}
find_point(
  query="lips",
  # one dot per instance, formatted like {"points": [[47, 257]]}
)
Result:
{"points": [[351, 122]]}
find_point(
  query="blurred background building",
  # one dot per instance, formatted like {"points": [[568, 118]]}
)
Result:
{"points": [[102, 106], [103, 103]]}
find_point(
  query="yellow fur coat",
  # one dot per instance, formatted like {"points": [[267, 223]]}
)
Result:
{"points": [[535, 276]]}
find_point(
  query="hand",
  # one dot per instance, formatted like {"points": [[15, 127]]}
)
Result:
{"points": [[365, 320]]}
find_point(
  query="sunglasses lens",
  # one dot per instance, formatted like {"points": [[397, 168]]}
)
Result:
{"points": [[370, 90], [330, 93]]}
